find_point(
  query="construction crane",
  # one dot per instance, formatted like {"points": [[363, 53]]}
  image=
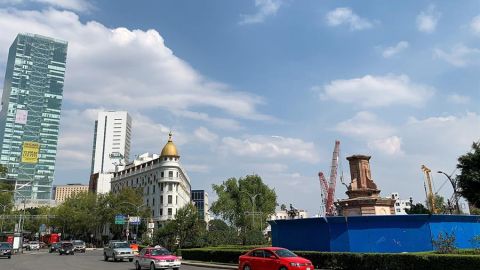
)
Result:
{"points": [[430, 195], [328, 189]]}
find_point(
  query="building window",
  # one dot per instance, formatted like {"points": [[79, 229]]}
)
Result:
{"points": [[161, 199], [169, 211], [153, 201], [161, 187], [170, 187], [398, 211], [153, 213], [153, 188], [177, 174], [162, 174], [161, 211], [170, 173], [169, 199], [176, 199]]}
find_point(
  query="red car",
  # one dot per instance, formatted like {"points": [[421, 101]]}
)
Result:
{"points": [[273, 258], [156, 258]]}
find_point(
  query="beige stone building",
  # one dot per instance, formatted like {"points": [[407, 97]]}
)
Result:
{"points": [[66, 191], [363, 195]]}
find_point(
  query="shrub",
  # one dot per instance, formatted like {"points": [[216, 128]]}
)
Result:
{"points": [[445, 244]]}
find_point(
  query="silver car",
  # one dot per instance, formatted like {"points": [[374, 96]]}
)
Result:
{"points": [[118, 250], [33, 245]]}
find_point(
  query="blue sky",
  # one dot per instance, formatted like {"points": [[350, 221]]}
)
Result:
{"points": [[267, 86]]}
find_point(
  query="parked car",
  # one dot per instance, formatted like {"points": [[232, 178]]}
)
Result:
{"points": [[78, 246], [66, 248], [55, 247], [5, 250], [118, 250], [156, 258], [33, 245], [42, 244], [273, 258]]}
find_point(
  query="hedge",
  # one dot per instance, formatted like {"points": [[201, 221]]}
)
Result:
{"points": [[357, 261]]}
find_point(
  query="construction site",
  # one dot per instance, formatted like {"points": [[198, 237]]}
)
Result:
{"points": [[367, 222]]}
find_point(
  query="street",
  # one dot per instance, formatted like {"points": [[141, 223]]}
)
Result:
{"points": [[42, 260]]}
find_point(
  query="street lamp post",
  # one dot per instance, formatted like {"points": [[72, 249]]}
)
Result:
{"points": [[454, 183], [252, 199]]}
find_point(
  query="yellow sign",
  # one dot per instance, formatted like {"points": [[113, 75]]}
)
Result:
{"points": [[30, 152]]}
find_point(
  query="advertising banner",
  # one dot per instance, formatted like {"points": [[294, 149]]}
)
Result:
{"points": [[21, 117], [30, 152]]}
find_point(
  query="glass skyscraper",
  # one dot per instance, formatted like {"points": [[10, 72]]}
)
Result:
{"points": [[30, 115]]}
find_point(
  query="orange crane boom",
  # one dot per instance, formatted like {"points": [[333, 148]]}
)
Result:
{"points": [[430, 194]]}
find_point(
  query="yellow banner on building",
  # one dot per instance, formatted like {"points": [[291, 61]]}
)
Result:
{"points": [[30, 152]]}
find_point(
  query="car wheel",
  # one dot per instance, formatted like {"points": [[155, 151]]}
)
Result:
{"points": [[130, 260], [137, 266], [247, 267], [9, 257], [152, 266], [114, 258], [283, 268], [105, 257], [73, 253]]}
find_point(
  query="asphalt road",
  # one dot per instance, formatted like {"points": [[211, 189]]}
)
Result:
{"points": [[91, 260]]}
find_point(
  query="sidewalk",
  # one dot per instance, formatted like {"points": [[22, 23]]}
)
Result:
{"points": [[210, 264]]}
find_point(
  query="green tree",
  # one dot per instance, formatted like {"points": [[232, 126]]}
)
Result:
{"points": [[186, 230], [469, 178], [220, 233], [245, 203]]}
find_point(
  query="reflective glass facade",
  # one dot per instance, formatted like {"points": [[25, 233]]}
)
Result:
{"points": [[30, 116]]}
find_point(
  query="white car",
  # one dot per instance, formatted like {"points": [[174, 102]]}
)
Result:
{"points": [[33, 245]]}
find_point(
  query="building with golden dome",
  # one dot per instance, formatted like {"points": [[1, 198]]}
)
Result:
{"points": [[166, 185]]}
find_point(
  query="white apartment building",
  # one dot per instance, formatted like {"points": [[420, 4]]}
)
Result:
{"points": [[166, 186], [401, 205], [111, 146]]}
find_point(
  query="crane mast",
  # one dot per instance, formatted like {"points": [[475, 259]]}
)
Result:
{"points": [[430, 194], [329, 188]]}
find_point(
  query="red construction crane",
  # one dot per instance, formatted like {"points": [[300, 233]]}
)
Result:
{"points": [[329, 188]]}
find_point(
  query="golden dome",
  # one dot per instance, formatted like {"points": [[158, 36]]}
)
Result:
{"points": [[169, 150]]}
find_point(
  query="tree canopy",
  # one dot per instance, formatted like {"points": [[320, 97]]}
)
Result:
{"points": [[469, 178], [245, 203]]}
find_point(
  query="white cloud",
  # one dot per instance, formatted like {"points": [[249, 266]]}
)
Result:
{"points": [[458, 99], [203, 134], [265, 8], [345, 16], [475, 25], [270, 147], [453, 134], [364, 125], [459, 56], [390, 145], [76, 5], [224, 123], [427, 20], [377, 91], [394, 50], [125, 68]]}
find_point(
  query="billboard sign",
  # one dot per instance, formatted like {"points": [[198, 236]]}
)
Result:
{"points": [[30, 152], [21, 117]]}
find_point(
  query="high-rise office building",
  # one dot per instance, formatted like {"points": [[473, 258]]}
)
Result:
{"points": [[30, 115], [111, 148]]}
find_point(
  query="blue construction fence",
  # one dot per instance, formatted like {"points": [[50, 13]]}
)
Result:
{"points": [[385, 234]]}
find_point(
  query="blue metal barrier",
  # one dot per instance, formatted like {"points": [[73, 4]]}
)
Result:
{"points": [[386, 234]]}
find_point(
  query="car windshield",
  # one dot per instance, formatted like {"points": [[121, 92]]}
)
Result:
{"points": [[67, 245], [34, 243], [78, 242], [284, 253], [5, 245], [121, 245], [160, 252]]}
